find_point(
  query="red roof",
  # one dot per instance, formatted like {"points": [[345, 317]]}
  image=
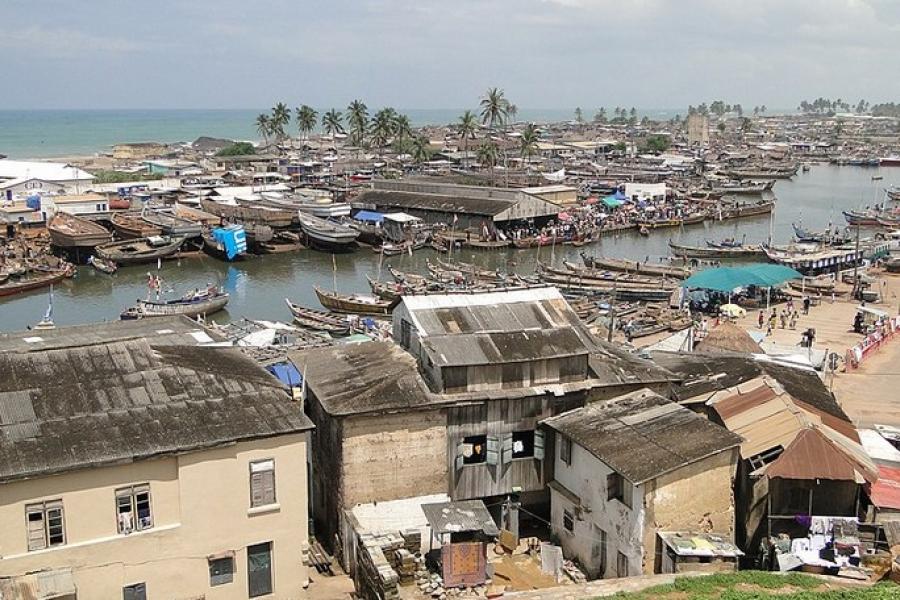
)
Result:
{"points": [[813, 456], [885, 492]]}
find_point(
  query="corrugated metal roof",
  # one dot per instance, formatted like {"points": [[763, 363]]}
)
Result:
{"points": [[643, 435], [72, 408], [885, 493], [812, 455], [460, 517], [503, 347], [448, 204]]}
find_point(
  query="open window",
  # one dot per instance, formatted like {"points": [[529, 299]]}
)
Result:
{"points": [[565, 449], [133, 511], [618, 488], [758, 461], [45, 525], [475, 450], [568, 521], [221, 569]]}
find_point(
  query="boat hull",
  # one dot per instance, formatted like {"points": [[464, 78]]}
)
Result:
{"points": [[147, 309], [135, 252]]}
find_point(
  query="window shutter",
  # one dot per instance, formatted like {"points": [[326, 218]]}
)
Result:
{"points": [[262, 483], [36, 538], [459, 455], [506, 448], [493, 450], [538, 444]]}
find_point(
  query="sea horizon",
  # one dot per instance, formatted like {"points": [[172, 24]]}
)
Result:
{"points": [[45, 133]]}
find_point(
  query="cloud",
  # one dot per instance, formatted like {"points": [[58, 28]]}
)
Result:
{"points": [[57, 42]]}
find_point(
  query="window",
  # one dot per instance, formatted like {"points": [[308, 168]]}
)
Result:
{"points": [[618, 489], [474, 449], [136, 591], [757, 461], [259, 569], [565, 450], [568, 521], [45, 525], [404, 333], [262, 482], [221, 570], [598, 550], [621, 565], [133, 509], [522, 444]]}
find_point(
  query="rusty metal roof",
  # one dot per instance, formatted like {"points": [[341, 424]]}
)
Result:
{"points": [[460, 517], [503, 347], [814, 455], [87, 406], [643, 435]]}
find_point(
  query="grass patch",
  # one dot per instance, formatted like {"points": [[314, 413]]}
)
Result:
{"points": [[758, 585]]}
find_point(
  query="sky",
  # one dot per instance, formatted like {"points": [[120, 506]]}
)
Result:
{"points": [[445, 53]]}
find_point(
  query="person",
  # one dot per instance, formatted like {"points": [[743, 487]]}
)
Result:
{"points": [[790, 305], [794, 320], [806, 303], [783, 319], [772, 321], [762, 319]]}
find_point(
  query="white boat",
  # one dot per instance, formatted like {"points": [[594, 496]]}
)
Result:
{"points": [[326, 233]]}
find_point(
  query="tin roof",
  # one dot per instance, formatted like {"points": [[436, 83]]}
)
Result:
{"points": [[92, 405], [643, 435], [699, 544], [460, 517], [885, 493], [445, 203]]}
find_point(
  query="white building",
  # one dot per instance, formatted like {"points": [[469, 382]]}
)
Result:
{"points": [[72, 178], [630, 468]]}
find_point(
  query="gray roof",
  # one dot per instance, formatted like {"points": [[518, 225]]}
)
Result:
{"points": [[159, 331], [487, 207], [503, 347], [460, 517], [115, 402], [361, 378], [642, 435]]}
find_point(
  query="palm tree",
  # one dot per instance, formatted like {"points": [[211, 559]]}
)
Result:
{"points": [[281, 116], [579, 116], [382, 128], [528, 142], [512, 110], [494, 108], [420, 149], [333, 123], [306, 117], [263, 127], [358, 119], [487, 156], [466, 128], [402, 129]]}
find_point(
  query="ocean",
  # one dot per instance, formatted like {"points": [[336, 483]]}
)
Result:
{"points": [[56, 133]]}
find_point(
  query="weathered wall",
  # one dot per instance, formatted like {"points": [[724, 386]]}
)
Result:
{"points": [[201, 506], [697, 497], [326, 488], [393, 456]]}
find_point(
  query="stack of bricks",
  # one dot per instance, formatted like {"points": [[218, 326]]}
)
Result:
{"points": [[407, 565], [412, 540]]}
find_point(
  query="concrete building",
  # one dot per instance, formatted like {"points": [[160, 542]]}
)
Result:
{"points": [[89, 203], [147, 469], [74, 179], [698, 130], [632, 467], [12, 189]]}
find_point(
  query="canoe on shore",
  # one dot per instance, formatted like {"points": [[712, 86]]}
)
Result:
{"points": [[69, 231], [710, 252], [318, 320], [34, 280], [354, 304], [327, 234], [103, 265], [129, 226], [143, 250], [633, 266], [193, 305]]}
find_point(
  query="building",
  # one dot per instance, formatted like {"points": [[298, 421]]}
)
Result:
{"points": [[466, 206], [74, 179], [451, 406], [89, 203], [629, 468], [12, 189], [698, 130], [143, 468], [561, 195], [138, 150]]}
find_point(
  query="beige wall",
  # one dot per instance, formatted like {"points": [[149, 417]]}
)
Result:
{"points": [[200, 503], [394, 456], [697, 497]]}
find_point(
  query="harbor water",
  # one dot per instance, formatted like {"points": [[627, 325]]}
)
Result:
{"points": [[259, 285]]}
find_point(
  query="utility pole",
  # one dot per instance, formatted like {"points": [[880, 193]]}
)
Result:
{"points": [[856, 287]]}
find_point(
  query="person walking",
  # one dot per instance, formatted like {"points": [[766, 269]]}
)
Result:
{"points": [[806, 303], [762, 319]]}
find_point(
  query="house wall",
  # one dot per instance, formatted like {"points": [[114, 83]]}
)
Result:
{"points": [[585, 479], [697, 497], [201, 506]]}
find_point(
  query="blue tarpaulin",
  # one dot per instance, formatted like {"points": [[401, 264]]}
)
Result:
{"points": [[286, 373], [233, 238], [369, 216], [613, 202], [33, 202], [727, 279]]}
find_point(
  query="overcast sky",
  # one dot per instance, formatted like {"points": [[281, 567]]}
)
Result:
{"points": [[445, 53]]}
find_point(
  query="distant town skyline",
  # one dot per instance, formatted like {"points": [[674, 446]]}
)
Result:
{"points": [[429, 54]]}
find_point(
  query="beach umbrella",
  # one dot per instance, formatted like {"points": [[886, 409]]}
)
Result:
{"points": [[727, 279], [732, 310], [564, 216]]}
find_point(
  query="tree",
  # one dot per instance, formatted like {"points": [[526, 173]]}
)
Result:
{"points": [[358, 120], [528, 141], [402, 129], [632, 115], [465, 129], [579, 116], [382, 128], [487, 156], [762, 109], [333, 123], [721, 126], [237, 149], [306, 117], [655, 144], [600, 115], [263, 127], [421, 150], [281, 116], [511, 111], [739, 110], [494, 108]]}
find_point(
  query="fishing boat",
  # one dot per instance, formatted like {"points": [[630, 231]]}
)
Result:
{"points": [[354, 304], [393, 249], [170, 223], [858, 217], [69, 231], [129, 226], [318, 320], [889, 221], [103, 265], [226, 243], [716, 251], [144, 250], [738, 211], [828, 236], [489, 275], [204, 302], [744, 187], [487, 244], [660, 223], [536, 241], [412, 279], [251, 212], [814, 260], [327, 234], [893, 194], [633, 266], [35, 279]]}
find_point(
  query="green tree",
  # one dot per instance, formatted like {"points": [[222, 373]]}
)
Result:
{"points": [[511, 111], [333, 123], [281, 116], [421, 151], [488, 154], [632, 115], [306, 117], [579, 116], [494, 108], [465, 129], [600, 115], [528, 142], [402, 130], [358, 120], [263, 127], [237, 149], [655, 144], [383, 126]]}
